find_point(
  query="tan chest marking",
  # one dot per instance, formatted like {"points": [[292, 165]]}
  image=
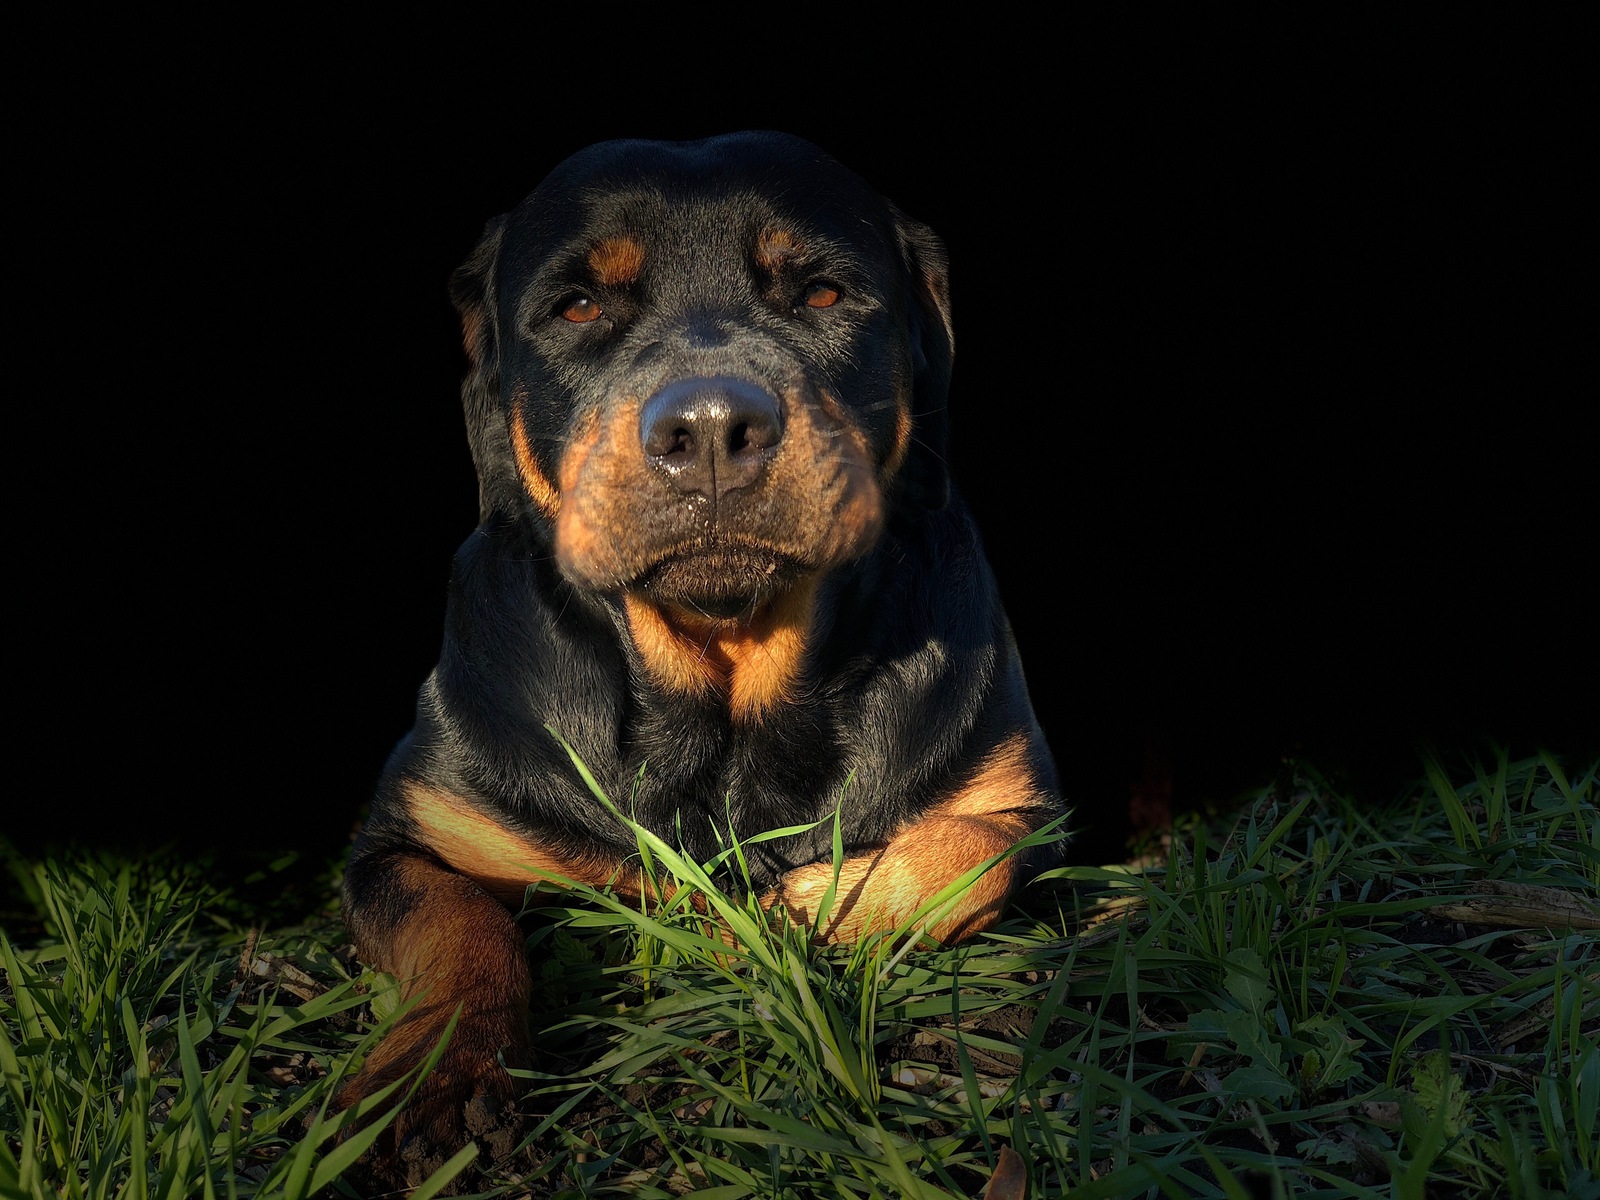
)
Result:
{"points": [[756, 665]]}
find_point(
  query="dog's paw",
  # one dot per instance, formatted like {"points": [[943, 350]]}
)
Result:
{"points": [[441, 1123], [468, 1098], [800, 895]]}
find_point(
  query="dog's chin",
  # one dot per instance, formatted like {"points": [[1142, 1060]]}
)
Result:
{"points": [[728, 583]]}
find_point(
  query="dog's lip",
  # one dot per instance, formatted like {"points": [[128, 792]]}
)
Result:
{"points": [[719, 579]]}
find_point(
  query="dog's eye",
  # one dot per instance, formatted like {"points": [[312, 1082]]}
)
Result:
{"points": [[581, 310], [818, 294]]}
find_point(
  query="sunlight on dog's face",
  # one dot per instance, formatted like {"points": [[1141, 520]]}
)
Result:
{"points": [[706, 373]]}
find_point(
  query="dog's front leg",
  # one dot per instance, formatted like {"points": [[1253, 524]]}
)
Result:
{"points": [[880, 890], [453, 947]]}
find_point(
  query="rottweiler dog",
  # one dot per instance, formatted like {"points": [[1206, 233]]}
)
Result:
{"points": [[721, 556]]}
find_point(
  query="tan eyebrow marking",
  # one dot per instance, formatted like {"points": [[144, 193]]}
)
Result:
{"points": [[617, 260], [774, 247]]}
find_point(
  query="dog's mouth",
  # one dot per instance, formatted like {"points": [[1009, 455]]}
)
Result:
{"points": [[724, 582]]}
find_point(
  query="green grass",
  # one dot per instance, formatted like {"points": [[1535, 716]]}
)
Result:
{"points": [[1310, 996]]}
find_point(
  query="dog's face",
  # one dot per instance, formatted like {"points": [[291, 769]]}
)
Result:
{"points": [[708, 370]]}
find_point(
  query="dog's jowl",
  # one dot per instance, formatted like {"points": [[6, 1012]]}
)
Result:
{"points": [[706, 397]]}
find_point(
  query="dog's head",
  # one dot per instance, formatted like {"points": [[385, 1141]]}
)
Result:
{"points": [[706, 370]]}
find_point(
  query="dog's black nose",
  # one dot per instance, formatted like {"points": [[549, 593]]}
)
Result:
{"points": [[712, 434]]}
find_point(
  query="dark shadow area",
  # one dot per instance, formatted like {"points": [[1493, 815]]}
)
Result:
{"points": [[1263, 404]]}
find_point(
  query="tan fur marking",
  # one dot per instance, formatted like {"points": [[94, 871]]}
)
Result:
{"points": [[879, 891], [534, 481], [765, 658], [574, 535], [674, 659], [499, 860], [441, 938], [598, 491], [455, 948], [774, 247], [1003, 783], [754, 663], [618, 518], [617, 261], [902, 436], [472, 334], [584, 439]]}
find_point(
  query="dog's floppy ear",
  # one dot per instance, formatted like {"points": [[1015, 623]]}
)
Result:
{"points": [[472, 290], [927, 268]]}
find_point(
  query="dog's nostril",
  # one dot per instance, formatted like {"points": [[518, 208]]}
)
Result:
{"points": [[669, 443]]}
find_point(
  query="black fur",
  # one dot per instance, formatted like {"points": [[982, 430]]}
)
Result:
{"points": [[909, 678]]}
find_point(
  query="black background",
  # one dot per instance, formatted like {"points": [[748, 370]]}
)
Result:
{"points": [[1267, 395]]}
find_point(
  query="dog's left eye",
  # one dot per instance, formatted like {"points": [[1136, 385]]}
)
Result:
{"points": [[819, 294], [580, 310]]}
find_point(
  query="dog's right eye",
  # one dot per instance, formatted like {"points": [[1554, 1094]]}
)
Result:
{"points": [[580, 310], [819, 294]]}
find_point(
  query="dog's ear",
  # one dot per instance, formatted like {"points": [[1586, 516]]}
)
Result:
{"points": [[927, 266], [472, 290]]}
